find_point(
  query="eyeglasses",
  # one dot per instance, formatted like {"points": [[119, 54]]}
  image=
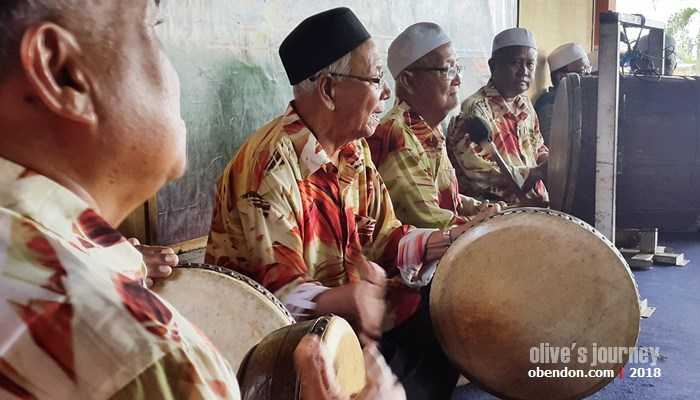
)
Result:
{"points": [[376, 82], [449, 73]]}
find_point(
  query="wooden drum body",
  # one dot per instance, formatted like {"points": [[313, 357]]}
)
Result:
{"points": [[268, 371], [530, 278], [234, 311]]}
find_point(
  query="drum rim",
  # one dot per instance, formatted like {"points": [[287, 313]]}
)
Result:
{"points": [[245, 279], [561, 214], [582, 224]]}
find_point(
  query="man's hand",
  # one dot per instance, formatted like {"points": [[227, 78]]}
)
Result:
{"points": [[486, 209], [374, 274], [318, 380], [362, 303], [159, 260], [381, 382], [316, 375], [475, 127], [470, 206], [536, 173]]}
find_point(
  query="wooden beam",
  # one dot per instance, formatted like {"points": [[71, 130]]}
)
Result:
{"points": [[606, 140], [601, 6]]}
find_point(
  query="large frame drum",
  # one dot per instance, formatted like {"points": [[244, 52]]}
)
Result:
{"points": [[234, 311], [526, 279], [565, 144]]}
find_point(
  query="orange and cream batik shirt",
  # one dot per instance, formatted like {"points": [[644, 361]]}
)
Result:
{"points": [[516, 134], [291, 219], [76, 321]]}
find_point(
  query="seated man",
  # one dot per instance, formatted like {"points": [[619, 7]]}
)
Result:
{"points": [[301, 205], [408, 147], [565, 59], [89, 132], [512, 123]]}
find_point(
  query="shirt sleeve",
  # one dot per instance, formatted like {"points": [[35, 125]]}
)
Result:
{"points": [[300, 300], [412, 247], [411, 187]]}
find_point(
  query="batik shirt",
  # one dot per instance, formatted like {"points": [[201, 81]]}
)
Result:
{"points": [[516, 134], [76, 321], [412, 160], [287, 216]]}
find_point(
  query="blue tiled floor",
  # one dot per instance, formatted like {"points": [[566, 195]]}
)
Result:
{"points": [[674, 328]]}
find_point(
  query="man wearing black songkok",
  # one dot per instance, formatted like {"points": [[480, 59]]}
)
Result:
{"points": [[302, 209]]}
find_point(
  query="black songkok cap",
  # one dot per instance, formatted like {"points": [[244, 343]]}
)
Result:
{"points": [[319, 41]]}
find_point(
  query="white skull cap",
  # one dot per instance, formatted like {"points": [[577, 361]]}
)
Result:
{"points": [[565, 55], [413, 43], [514, 37]]}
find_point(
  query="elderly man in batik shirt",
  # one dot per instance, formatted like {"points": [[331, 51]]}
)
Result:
{"points": [[408, 147], [77, 321], [509, 116], [301, 207]]}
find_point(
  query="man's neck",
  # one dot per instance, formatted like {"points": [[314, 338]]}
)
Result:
{"points": [[62, 169], [430, 115], [321, 126]]}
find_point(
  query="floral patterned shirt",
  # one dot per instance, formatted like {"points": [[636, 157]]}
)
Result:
{"points": [[516, 135], [412, 160], [285, 215], [76, 321]]}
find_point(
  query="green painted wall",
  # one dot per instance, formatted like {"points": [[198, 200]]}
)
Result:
{"points": [[225, 52]]}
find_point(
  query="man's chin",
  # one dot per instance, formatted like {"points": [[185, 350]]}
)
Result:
{"points": [[452, 102], [178, 169]]}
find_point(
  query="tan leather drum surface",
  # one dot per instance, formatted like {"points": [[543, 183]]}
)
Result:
{"points": [[526, 277], [234, 311], [268, 371]]}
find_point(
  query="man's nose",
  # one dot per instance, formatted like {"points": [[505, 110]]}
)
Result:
{"points": [[386, 92]]}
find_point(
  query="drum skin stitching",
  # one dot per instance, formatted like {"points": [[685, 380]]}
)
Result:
{"points": [[240, 277]]}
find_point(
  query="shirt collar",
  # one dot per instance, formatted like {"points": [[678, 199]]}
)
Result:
{"points": [[61, 212], [429, 137], [309, 152], [495, 96], [38, 198]]}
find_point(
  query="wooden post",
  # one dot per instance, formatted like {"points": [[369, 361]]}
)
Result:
{"points": [[606, 140]]}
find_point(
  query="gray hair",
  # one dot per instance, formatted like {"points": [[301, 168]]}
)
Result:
{"points": [[427, 60], [341, 66]]}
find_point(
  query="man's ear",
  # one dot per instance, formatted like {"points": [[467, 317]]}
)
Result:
{"points": [[492, 65], [50, 58], [405, 80], [326, 91]]}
